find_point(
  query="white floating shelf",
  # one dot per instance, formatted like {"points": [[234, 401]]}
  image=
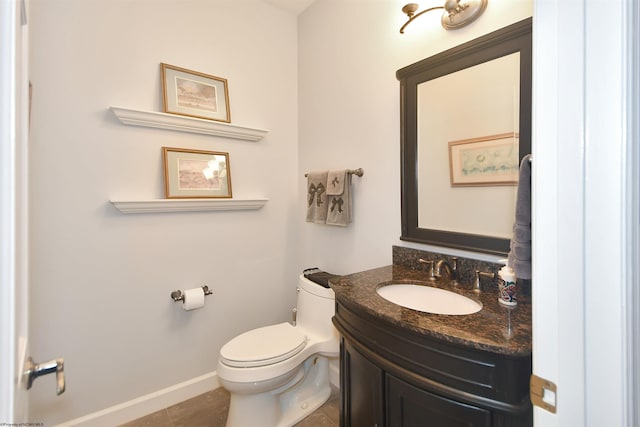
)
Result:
{"points": [[187, 205], [155, 119]]}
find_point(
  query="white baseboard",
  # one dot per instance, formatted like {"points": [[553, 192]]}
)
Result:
{"points": [[152, 402], [147, 404]]}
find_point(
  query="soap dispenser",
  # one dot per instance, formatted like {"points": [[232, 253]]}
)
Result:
{"points": [[507, 286]]}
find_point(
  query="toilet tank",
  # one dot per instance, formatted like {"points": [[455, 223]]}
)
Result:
{"points": [[315, 307]]}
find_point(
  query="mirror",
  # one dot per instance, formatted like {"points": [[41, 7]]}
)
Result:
{"points": [[465, 126]]}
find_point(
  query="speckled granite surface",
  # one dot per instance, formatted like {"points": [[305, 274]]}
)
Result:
{"points": [[408, 257], [495, 328]]}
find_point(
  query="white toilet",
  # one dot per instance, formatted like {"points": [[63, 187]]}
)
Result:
{"points": [[279, 374]]}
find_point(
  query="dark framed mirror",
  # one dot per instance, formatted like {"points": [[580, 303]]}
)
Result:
{"points": [[465, 126]]}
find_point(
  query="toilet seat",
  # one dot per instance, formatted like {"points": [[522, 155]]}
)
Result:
{"points": [[263, 346]]}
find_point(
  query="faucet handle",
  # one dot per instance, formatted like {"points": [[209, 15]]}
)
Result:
{"points": [[455, 273], [477, 287], [430, 272]]}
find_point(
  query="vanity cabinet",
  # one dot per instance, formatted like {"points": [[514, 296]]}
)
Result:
{"points": [[362, 387], [408, 405], [393, 377]]}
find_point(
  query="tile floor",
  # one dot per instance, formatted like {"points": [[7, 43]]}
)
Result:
{"points": [[210, 410]]}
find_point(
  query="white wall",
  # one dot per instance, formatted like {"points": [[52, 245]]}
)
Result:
{"points": [[349, 51], [100, 279]]}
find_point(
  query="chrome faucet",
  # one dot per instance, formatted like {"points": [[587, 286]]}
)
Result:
{"points": [[444, 270]]}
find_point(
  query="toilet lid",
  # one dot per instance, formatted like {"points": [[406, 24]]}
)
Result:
{"points": [[263, 346]]}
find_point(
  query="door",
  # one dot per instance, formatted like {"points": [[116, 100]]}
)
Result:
{"points": [[582, 144], [14, 313], [409, 406], [13, 218], [361, 383]]}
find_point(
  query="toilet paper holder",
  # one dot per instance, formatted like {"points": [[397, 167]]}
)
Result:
{"points": [[179, 295]]}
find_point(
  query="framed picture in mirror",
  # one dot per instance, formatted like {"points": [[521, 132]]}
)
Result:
{"points": [[484, 161]]}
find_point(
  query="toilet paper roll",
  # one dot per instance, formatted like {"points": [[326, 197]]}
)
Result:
{"points": [[193, 298]]}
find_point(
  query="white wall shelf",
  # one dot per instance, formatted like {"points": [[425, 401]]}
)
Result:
{"points": [[187, 205], [179, 123]]}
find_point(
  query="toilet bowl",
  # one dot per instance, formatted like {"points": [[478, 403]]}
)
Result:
{"points": [[277, 375]]}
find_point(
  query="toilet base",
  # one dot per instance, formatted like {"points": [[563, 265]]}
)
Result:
{"points": [[286, 405]]}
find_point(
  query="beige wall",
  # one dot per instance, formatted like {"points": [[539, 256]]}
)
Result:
{"points": [[349, 51], [476, 102], [100, 279]]}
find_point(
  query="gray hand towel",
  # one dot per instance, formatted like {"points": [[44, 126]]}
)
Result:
{"points": [[316, 197], [520, 248], [339, 197]]}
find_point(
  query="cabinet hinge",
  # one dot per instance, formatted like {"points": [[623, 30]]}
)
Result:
{"points": [[543, 393]]}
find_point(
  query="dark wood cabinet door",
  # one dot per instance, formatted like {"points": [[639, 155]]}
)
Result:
{"points": [[362, 387], [409, 406], [393, 377]]}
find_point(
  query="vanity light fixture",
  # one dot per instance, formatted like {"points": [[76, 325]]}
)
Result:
{"points": [[457, 13]]}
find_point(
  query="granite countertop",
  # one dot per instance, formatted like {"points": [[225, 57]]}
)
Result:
{"points": [[486, 330]]}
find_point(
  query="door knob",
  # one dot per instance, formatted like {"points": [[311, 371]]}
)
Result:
{"points": [[35, 370]]}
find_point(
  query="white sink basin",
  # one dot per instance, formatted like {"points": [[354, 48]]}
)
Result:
{"points": [[428, 299]]}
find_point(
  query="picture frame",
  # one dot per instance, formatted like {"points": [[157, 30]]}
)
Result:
{"points": [[484, 161], [194, 94], [192, 174]]}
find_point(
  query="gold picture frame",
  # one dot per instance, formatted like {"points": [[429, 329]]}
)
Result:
{"points": [[484, 161], [192, 174], [191, 93]]}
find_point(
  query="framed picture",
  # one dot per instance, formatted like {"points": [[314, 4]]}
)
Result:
{"points": [[194, 94], [196, 174], [485, 161]]}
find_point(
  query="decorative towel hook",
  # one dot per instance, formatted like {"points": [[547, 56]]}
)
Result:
{"points": [[179, 295]]}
